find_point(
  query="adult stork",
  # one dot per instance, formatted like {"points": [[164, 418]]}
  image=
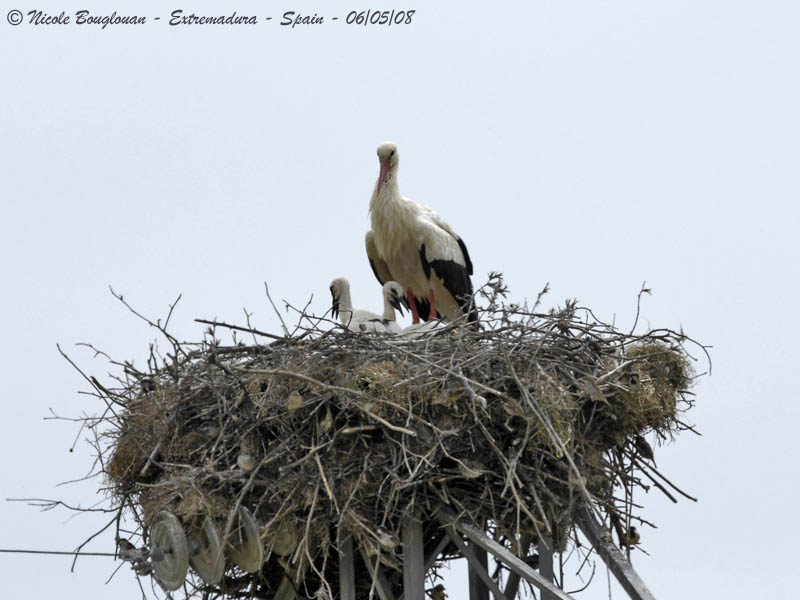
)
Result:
{"points": [[394, 297], [414, 246]]}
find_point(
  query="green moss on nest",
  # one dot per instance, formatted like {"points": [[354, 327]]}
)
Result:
{"points": [[651, 400]]}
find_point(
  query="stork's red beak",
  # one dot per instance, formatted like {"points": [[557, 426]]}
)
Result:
{"points": [[382, 174]]}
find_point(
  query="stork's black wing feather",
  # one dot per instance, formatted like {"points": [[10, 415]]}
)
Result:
{"points": [[467, 260], [375, 271], [455, 278]]}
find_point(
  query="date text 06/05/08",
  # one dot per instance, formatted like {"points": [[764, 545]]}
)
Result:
{"points": [[365, 17], [380, 17]]}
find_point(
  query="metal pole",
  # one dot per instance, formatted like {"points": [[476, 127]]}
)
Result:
{"points": [[546, 564], [347, 572], [413, 560], [478, 589]]}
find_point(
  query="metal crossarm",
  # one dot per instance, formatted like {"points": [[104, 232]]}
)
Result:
{"points": [[475, 564], [376, 573], [510, 560], [512, 585], [623, 570]]}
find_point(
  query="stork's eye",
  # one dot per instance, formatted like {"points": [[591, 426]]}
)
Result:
{"points": [[391, 154]]}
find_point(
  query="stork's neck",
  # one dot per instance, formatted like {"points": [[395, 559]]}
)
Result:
{"points": [[345, 306], [388, 309], [345, 317], [386, 192]]}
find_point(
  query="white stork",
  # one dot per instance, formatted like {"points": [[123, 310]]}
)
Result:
{"points": [[394, 297], [411, 244]]}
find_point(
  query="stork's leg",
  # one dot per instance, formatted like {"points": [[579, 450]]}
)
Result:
{"points": [[412, 304], [433, 314]]}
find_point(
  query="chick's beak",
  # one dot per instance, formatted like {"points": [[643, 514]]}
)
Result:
{"points": [[334, 304]]}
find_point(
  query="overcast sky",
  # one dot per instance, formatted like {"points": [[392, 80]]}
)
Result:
{"points": [[591, 145]]}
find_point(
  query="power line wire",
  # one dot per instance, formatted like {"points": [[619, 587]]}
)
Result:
{"points": [[58, 552]]}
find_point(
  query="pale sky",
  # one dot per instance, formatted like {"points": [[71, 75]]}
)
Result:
{"points": [[591, 145]]}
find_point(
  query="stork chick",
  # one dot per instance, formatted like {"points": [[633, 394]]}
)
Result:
{"points": [[394, 298]]}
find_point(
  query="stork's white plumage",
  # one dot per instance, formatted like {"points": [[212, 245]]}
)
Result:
{"points": [[422, 329], [414, 246], [394, 297]]}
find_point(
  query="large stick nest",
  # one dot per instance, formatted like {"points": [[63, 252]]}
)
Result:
{"points": [[515, 425]]}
